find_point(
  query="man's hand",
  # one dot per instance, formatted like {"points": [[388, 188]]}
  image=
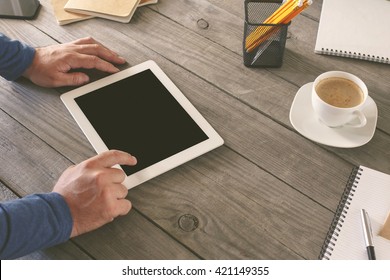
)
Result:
{"points": [[94, 191], [51, 65]]}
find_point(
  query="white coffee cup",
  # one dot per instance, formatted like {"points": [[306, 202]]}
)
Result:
{"points": [[334, 108]]}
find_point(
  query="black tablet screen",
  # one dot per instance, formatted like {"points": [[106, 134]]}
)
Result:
{"points": [[139, 115]]}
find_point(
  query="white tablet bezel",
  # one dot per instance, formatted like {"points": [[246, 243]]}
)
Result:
{"points": [[214, 139]]}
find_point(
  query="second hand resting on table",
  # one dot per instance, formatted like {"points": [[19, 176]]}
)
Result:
{"points": [[51, 64]]}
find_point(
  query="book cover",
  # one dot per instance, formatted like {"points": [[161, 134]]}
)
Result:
{"points": [[146, 2], [63, 17], [117, 10]]}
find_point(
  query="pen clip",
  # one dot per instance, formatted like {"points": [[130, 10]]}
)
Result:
{"points": [[367, 228]]}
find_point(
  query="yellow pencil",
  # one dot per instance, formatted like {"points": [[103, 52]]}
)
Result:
{"points": [[283, 15], [260, 33], [281, 9], [263, 30]]}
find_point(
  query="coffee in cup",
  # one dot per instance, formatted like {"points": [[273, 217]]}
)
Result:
{"points": [[338, 98], [340, 92]]}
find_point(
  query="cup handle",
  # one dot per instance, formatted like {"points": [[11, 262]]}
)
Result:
{"points": [[362, 119]]}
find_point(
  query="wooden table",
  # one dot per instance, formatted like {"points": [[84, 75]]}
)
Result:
{"points": [[268, 193]]}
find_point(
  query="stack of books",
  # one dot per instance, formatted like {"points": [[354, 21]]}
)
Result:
{"points": [[68, 11]]}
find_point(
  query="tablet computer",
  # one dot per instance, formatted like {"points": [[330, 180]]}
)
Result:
{"points": [[20, 9], [140, 111]]}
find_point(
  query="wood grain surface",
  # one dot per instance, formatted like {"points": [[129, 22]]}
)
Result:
{"points": [[268, 193]]}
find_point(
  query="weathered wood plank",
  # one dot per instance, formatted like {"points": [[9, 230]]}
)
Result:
{"points": [[27, 164], [6, 194], [130, 237], [242, 211], [43, 113]]}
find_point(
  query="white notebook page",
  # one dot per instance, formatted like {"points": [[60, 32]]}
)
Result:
{"points": [[355, 28], [373, 195]]}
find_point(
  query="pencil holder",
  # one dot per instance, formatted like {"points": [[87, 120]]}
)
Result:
{"points": [[264, 43]]}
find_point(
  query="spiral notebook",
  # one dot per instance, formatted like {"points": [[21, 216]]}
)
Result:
{"points": [[366, 189], [356, 29]]}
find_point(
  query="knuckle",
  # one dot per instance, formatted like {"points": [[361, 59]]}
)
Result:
{"points": [[129, 206], [86, 40], [124, 190], [94, 59], [89, 39], [116, 153], [99, 178], [111, 211], [67, 56], [120, 174], [95, 46], [76, 79], [87, 164]]}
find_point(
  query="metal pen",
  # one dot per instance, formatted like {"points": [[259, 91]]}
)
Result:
{"points": [[367, 231]]}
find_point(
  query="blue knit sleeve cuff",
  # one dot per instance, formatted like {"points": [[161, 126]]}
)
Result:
{"points": [[32, 223], [61, 210], [15, 57]]}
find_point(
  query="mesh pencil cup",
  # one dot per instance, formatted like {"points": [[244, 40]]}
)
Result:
{"points": [[263, 44]]}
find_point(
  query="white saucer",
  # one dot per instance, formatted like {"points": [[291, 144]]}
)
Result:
{"points": [[303, 119]]}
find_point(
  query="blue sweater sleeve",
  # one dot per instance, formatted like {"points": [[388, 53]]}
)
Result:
{"points": [[15, 57], [32, 223]]}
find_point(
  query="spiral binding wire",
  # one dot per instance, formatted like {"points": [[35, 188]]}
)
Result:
{"points": [[354, 55], [341, 213]]}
